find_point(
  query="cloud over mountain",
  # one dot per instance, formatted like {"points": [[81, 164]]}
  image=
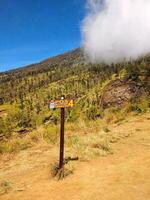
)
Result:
{"points": [[116, 30]]}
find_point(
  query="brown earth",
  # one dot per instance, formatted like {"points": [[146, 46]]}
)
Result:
{"points": [[124, 175], [119, 91]]}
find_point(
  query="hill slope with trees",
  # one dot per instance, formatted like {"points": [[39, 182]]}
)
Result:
{"points": [[25, 92]]}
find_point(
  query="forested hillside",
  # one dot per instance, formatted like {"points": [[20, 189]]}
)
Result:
{"points": [[25, 92]]}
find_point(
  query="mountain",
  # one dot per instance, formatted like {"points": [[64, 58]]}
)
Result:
{"points": [[75, 56], [25, 92], [34, 74], [106, 128]]}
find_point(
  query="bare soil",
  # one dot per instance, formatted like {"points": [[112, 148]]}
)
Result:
{"points": [[124, 175]]}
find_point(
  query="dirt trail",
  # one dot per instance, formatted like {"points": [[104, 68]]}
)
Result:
{"points": [[125, 175]]}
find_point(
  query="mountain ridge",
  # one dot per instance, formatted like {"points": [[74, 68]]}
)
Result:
{"points": [[53, 59], [25, 92]]}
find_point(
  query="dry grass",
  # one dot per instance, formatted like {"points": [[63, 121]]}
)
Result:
{"points": [[116, 171], [5, 187], [86, 139], [60, 174], [89, 146]]}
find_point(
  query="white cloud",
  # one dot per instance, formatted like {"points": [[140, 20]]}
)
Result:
{"points": [[114, 30]]}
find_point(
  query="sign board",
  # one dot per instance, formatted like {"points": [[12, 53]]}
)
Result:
{"points": [[63, 103], [52, 104]]}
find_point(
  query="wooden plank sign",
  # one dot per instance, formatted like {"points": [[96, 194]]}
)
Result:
{"points": [[63, 103]]}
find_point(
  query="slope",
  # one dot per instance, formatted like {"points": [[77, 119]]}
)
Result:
{"points": [[25, 92], [122, 175]]}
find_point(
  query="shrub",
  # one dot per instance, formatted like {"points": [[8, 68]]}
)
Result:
{"points": [[93, 112], [5, 128]]}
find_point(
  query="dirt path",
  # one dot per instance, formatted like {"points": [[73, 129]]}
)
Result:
{"points": [[125, 175]]}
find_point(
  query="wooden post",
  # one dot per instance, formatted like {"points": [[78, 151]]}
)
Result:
{"points": [[62, 104], [61, 156]]}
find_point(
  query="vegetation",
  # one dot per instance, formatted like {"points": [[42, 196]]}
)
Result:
{"points": [[25, 92], [5, 186]]}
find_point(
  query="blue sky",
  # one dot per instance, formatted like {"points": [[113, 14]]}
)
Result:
{"points": [[32, 30]]}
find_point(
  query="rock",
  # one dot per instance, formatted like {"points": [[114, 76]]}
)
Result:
{"points": [[117, 92]]}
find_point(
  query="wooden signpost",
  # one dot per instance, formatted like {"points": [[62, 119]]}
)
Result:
{"points": [[62, 104]]}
